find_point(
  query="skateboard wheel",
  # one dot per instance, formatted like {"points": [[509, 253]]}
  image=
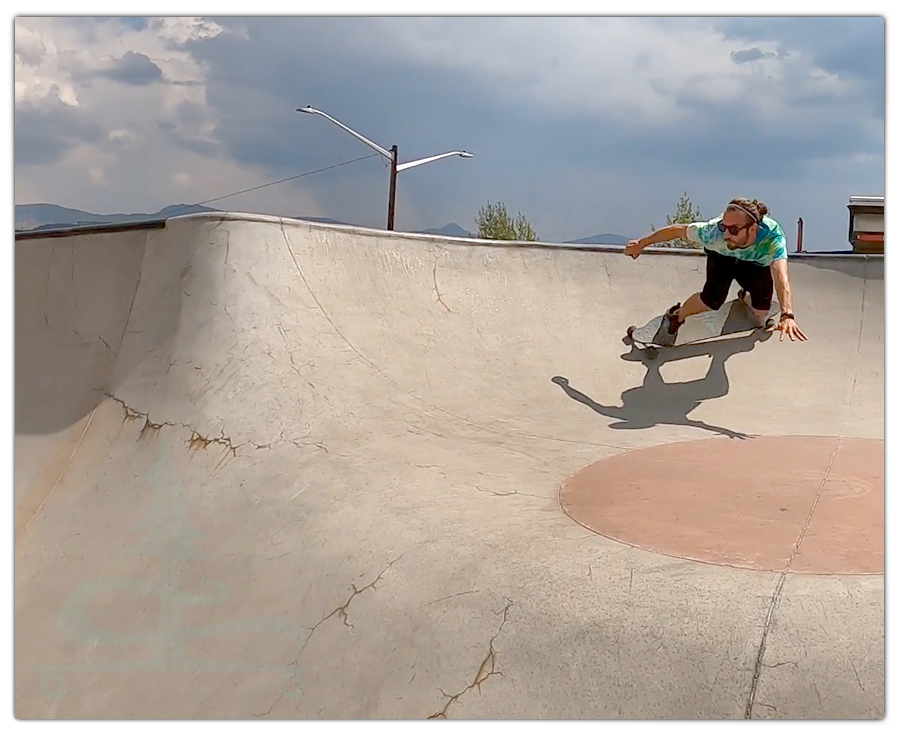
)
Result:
{"points": [[630, 330]]}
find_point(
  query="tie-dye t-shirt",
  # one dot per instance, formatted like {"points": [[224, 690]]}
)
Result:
{"points": [[770, 244]]}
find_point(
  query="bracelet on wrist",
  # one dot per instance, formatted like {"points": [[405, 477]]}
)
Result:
{"points": [[787, 315]]}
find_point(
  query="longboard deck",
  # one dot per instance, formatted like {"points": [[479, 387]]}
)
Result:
{"points": [[733, 317]]}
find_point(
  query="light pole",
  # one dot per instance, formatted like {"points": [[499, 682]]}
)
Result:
{"points": [[390, 155]]}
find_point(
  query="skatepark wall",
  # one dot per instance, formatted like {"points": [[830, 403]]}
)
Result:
{"points": [[209, 320], [76, 291]]}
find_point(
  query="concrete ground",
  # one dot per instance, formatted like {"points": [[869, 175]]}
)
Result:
{"points": [[277, 470]]}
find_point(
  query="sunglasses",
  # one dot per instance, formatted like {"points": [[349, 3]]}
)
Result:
{"points": [[731, 229]]}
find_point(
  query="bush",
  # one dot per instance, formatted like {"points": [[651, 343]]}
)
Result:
{"points": [[685, 213], [494, 223]]}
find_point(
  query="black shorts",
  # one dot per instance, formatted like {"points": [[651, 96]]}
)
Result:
{"points": [[722, 270]]}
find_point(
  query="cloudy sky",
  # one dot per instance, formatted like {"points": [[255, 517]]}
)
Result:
{"points": [[585, 125]]}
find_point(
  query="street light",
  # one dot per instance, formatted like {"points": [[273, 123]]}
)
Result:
{"points": [[390, 155]]}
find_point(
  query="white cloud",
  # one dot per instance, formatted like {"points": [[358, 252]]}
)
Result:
{"points": [[185, 29], [39, 72], [70, 60], [61, 58], [629, 70], [141, 161]]}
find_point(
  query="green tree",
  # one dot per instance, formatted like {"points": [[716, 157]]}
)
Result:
{"points": [[685, 213], [494, 223]]}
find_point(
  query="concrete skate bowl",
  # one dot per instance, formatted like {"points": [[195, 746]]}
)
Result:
{"points": [[276, 469]]}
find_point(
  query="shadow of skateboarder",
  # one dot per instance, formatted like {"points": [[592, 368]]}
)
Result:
{"points": [[656, 402]]}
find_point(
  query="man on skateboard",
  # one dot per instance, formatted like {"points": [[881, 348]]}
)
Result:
{"points": [[743, 245]]}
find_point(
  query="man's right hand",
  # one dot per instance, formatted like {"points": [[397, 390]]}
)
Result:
{"points": [[634, 248]]}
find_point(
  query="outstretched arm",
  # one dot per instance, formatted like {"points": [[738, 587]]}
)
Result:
{"points": [[671, 232], [783, 290]]}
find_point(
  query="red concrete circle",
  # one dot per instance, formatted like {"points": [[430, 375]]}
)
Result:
{"points": [[797, 503]]}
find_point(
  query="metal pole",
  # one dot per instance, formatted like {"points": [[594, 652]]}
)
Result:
{"points": [[800, 235], [393, 195]]}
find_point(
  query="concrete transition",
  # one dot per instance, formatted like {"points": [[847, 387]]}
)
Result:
{"points": [[277, 469]]}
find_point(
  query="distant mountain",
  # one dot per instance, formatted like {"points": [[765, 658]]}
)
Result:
{"points": [[448, 230], [601, 239], [51, 216]]}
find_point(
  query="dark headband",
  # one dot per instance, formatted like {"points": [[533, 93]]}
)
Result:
{"points": [[741, 208]]}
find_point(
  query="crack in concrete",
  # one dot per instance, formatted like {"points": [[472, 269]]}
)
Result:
{"points": [[606, 268], [82, 339], [782, 664], [584, 443], [294, 684], [818, 695], [436, 291], [134, 293], [231, 318], [196, 440], [343, 609], [134, 414], [495, 493], [296, 369], [782, 577], [297, 443], [450, 596], [266, 714], [268, 446], [484, 671], [290, 354]]}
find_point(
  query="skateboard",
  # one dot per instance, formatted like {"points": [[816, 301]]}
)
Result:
{"points": [[733, 317]]}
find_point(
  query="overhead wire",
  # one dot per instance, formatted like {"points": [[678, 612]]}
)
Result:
{"points": [[287, 179]]}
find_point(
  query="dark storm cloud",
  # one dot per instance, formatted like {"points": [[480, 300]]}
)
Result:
{"points": [[133, 69], [136, 23], [710, 145], [179, 129], [840, 44], [426, 110], [256, 86], [750, 55], [846, 46], [44, 135], [29, 54]]}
